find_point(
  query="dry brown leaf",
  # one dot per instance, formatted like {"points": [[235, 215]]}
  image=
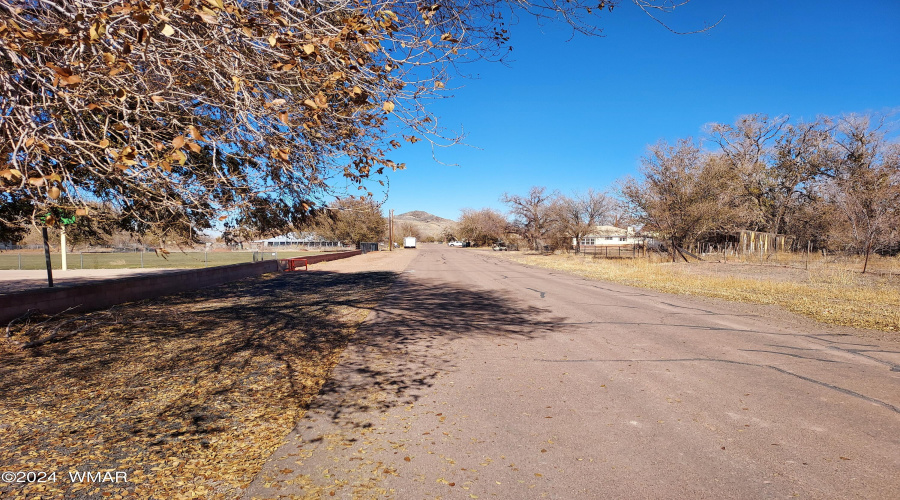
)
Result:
{"points": [[208, 18], [194, 132], [10, 174]]}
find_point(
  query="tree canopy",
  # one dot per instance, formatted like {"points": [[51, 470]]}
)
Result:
{"points": [[352, 220], [830, 183], [182, 115]]}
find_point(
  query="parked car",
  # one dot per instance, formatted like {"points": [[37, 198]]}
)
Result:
{"points": [[499, 247], [455, 244]]}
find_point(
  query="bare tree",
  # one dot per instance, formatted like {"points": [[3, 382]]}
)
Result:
{"points": [[531, 214], [747, 147], [352, 220], [482, 227], [449, 233], [406, 229], [866, 187], [777, 165], [577, 216], [682, 194]]}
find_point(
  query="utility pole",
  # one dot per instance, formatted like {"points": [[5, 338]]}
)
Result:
{"points": [[391, 232]]}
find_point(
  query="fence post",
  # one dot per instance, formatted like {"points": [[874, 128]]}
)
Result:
{"points": [[808, 248], [20, 262], [82, 260], [142, 258]]}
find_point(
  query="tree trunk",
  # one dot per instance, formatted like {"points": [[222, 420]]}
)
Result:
{"points": [[868, 251]]}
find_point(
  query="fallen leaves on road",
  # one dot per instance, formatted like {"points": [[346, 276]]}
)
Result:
{"points": [[187, 394]]}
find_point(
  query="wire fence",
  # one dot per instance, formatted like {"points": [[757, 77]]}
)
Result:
{"points": [[803, 259]]}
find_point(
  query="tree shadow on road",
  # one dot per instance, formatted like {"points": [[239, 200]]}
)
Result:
{"points": [[222, 374], [408, 341]]}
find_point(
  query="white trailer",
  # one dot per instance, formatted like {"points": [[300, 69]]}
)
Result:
{"points": [[409, 242]]}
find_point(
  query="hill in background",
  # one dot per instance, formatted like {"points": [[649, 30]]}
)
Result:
{"points": [[427, 224]]}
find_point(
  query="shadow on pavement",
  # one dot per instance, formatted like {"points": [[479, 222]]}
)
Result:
{"points": [[404, 346], [157, 375]]}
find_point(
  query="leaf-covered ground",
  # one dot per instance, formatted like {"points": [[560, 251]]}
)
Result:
{"points": [[187, 394]]}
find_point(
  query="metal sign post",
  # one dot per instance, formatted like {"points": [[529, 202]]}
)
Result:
{"points": [[53, 218], [47, 255]]}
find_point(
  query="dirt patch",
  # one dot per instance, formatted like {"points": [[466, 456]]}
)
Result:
{"points": [[187, 394]]}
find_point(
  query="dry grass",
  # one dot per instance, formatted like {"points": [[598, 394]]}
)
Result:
{"points": [[830, 294], [188, 394], [878, 265]]}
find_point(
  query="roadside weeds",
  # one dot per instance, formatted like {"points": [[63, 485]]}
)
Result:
{"points": [[830, 297]]}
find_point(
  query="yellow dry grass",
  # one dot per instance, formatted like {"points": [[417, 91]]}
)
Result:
{"points": [[835, 295]]}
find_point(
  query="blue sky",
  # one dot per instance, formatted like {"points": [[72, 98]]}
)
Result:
{"points": [[579, 113]]}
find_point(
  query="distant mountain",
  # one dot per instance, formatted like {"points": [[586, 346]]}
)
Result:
{"points": [[427, 224], [420, 216]]}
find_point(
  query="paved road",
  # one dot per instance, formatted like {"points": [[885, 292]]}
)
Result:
{"points": [[481, 378]]}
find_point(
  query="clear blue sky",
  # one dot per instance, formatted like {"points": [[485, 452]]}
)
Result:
{"points": [[575, 114]]}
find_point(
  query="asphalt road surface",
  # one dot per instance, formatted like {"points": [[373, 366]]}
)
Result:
{"points": [[481, 378]]}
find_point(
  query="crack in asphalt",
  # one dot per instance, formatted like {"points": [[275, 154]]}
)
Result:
{"points": [[728, 361], [893, 366], [791, 355], [704, 311]]}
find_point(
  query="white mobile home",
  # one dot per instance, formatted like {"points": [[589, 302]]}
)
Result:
{"points": [[602, 236]]}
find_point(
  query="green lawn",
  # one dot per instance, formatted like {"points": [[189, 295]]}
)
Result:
{"points": [[134, 260]]}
